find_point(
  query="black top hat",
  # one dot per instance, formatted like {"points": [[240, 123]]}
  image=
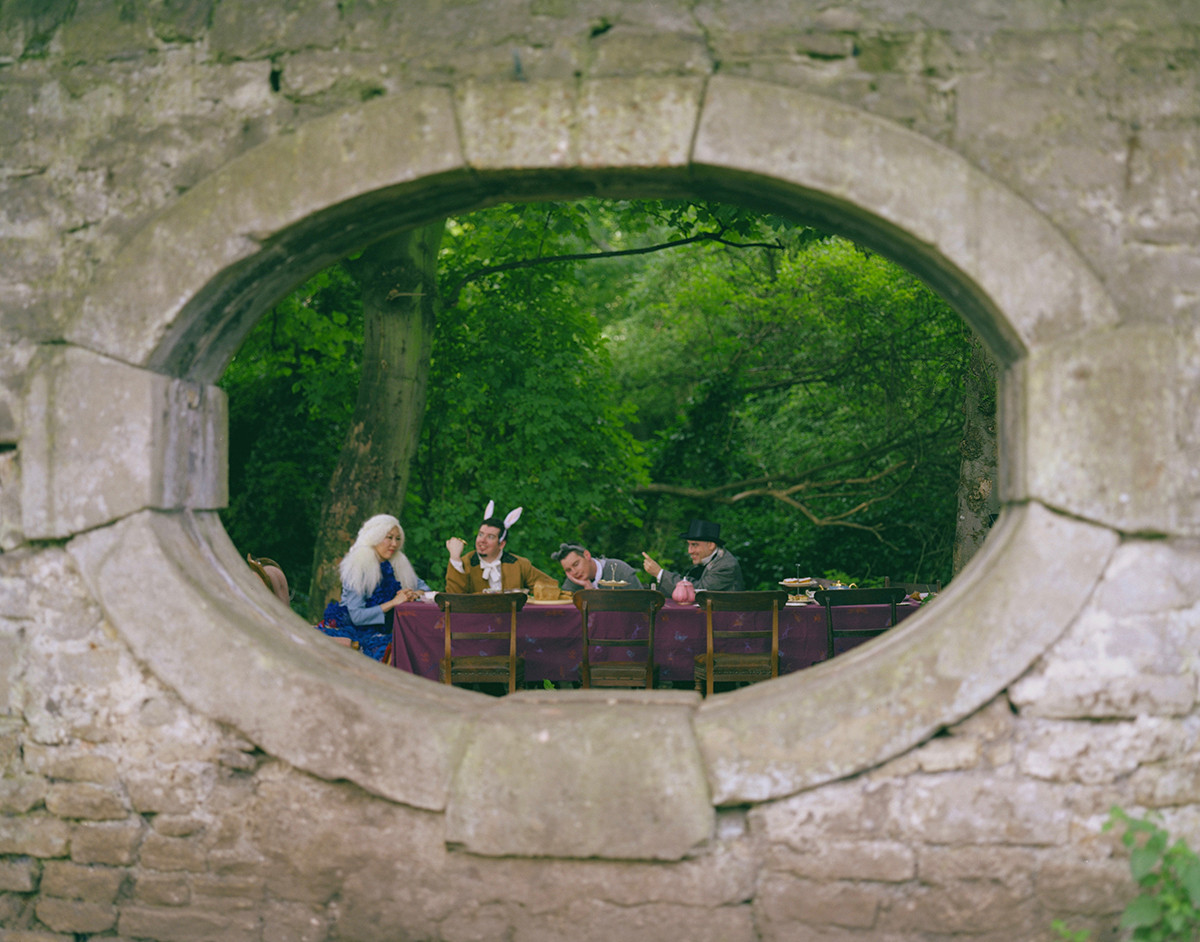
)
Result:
{"points": [[704, 530]]}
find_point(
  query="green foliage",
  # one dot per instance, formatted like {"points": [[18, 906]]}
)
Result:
{"points": [[1068, 935], [566, 387], [1168, 907], [291, 390], [522, 408], [817, 362]]}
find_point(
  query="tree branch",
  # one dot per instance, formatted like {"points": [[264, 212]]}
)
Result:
{"points": [[761, 487], [717, 237]]}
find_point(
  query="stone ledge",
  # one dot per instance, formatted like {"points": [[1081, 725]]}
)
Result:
{"points": [[614, 775], [937, 667], [396, 735]]}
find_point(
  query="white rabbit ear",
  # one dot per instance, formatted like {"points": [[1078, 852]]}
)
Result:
{"points": [[513, 517], [489, 510]]}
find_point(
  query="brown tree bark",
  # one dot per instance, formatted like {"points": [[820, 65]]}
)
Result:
{"points": [[399, 292], [978, 499]]}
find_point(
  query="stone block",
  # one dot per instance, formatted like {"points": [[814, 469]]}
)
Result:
{"points": [[975, 808], [314, 839], [1168, 784], [240, 31], [637, 792], [21, 793], [638, 121], [149, 441], [654, 55], [1096, 753], [11, 533], [35, 835], [92, 884], [724, 876], [67, 915], [950, 866], [948, 754], [1102, 387], [294, 922], [782, 901], [237, 891], [969, 908], [1087, 887], [600, 921], [85, 800], [175, 790], [187, 924], [18, 874], [843, 810], [177, 825], [880, 861], [171, 853], [114, 843], [518, 126], [162, 889], [1060, 695], [69, 765]]}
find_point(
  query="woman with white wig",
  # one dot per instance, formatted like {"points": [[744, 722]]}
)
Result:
{"points": [[376, 577]]}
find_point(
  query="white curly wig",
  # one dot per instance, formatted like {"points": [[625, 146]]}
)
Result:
{"points": [[360, 566]]}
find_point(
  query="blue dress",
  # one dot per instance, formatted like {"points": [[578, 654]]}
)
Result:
{"points": [[374, 631]]}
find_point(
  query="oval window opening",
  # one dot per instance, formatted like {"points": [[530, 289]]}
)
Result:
{"points": [[617, 368], [183, 294]]}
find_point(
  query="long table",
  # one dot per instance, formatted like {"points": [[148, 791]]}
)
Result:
{"points": [[550, 637]]}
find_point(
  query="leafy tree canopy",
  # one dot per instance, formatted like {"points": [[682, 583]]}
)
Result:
{"points": [[797, 389]]}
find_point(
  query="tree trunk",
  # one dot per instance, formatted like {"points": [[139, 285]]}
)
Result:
{"points": [[978, 500], [399, 286]]}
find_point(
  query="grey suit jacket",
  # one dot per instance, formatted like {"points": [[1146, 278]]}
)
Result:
{"points": [[615, 569], [723, 574]]}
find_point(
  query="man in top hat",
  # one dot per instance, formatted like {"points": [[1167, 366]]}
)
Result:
{"points": [[583, 570], [713, 567], [490, 566]]}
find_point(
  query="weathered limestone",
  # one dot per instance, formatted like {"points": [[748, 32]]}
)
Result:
{"points": [[181, 759], [588, 775], [146, 442], [827, 721]]}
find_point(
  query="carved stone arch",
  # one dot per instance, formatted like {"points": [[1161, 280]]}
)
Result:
{"points": [[160, 322]]}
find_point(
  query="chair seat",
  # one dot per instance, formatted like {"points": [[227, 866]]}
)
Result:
{"points": [[477, 670], [734, 667], [618, 674]]}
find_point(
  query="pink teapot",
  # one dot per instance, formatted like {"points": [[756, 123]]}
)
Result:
{"points": [[684, 592]]}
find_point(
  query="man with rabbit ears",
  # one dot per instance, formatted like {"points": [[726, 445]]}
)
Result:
{"points": [[490, 566]]}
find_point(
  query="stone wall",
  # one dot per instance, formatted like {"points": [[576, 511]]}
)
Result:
{"points": [[183, 759]]}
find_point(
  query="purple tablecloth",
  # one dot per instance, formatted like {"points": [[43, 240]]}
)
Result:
{"points": [[550, 638]]}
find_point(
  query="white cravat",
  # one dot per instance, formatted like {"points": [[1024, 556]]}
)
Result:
{"points": [[491, 572]]}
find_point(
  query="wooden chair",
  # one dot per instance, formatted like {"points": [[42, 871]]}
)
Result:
{"points": [[618, 673], [911, 587], [715, 666], [835, 598], [474, 668]]}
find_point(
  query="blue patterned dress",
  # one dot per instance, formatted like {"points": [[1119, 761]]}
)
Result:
{"points": [[372, 639]]}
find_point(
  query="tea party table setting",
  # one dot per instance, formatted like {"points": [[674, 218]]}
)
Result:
{"points": [[550, 637]]}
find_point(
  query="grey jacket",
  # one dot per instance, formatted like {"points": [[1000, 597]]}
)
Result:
{"points": [[615, 569], [723, 574]]}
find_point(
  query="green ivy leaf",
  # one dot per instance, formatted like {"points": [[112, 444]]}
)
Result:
{"points": [[1143, 911], [1143, 860]]}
